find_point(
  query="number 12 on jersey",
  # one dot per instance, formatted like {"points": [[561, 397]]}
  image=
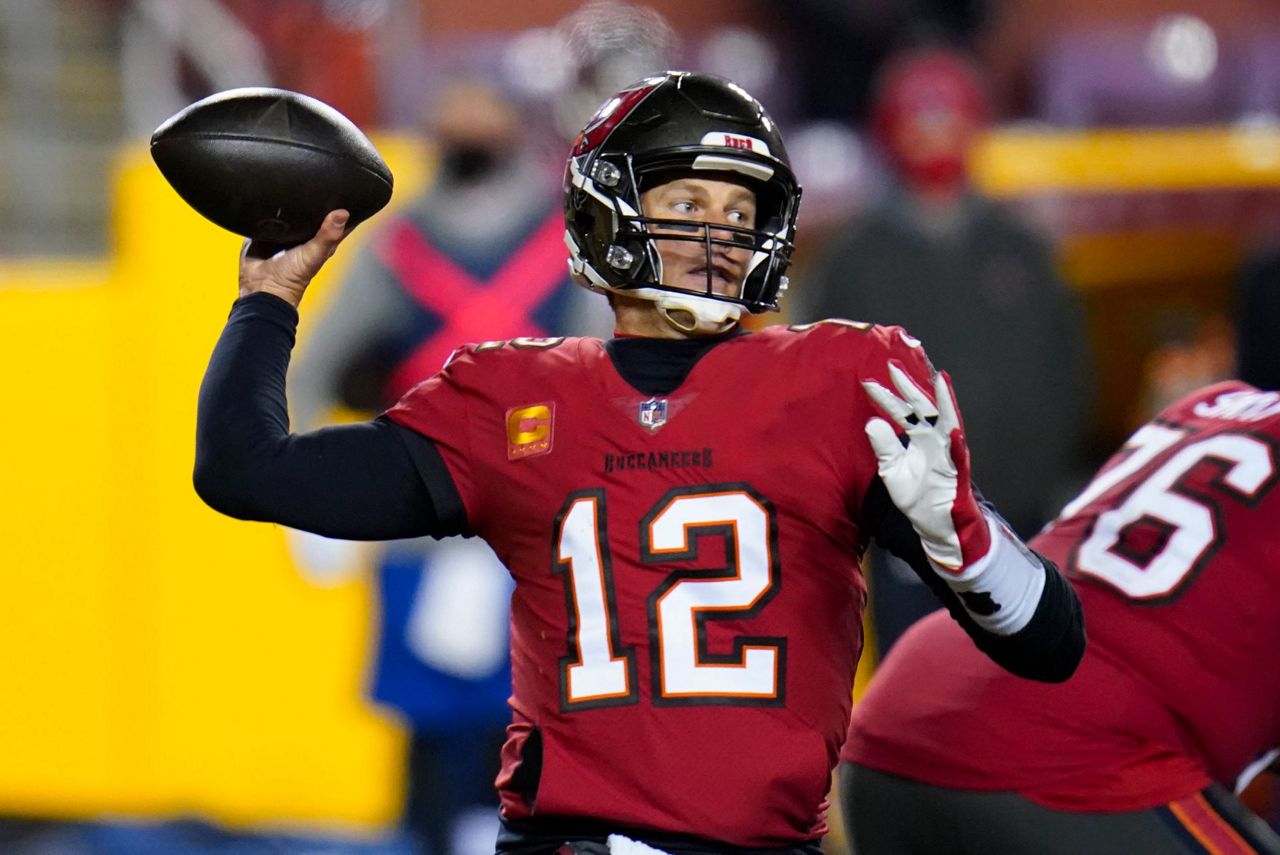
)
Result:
{"points": [[600, 671]]}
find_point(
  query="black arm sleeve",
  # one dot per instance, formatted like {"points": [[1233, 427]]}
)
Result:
{"points": [[1048, 648], [369, 481]]}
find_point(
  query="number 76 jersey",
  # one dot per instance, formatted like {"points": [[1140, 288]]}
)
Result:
{"points": [[686, 620], [1174, 549]]}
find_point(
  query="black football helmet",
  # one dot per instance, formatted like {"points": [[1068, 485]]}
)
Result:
{"points": [[679, 123]]}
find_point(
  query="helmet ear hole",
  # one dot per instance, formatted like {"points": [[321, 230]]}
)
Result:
{"points": [[587, 219], [620, 258]]}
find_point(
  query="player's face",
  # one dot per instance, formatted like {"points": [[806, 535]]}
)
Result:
{"points": [[701, 200]]}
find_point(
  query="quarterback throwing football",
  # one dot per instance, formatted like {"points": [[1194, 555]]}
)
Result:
{"points": [[682, 508]]}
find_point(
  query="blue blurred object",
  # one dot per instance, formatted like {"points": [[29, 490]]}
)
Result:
{"points": [[182, 837], [430, 697]]}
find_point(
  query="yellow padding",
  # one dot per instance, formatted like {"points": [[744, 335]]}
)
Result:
{"points": [[1016, 162]]}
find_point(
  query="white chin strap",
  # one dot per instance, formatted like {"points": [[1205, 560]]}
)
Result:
{"points": [[708, 316]]}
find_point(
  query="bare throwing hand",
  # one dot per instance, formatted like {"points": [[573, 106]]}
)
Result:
{"points": [[287, 272]]}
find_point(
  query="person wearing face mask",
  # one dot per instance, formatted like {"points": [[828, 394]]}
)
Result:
{"points": [[478, 255], [488, 216], [936, 256]]}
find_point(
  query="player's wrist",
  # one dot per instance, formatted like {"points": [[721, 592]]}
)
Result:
{"points": [[976, 531], [291, 295], [973, 548], [264, 304], [959, 541], [1001, 589]]}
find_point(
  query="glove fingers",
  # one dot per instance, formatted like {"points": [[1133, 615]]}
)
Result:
{"points": [[897, 409], [912, 394], [884, 442], [947, 416]]}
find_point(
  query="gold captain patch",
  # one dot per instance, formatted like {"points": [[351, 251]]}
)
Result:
{"points": [[529, 430]]}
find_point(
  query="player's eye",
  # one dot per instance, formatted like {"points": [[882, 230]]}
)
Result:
{"points": [[680, 209]]}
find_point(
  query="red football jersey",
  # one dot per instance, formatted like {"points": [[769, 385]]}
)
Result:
{"points": [[686, 619], [1174, 548]]}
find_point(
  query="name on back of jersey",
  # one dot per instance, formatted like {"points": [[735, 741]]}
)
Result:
{"points": [[1244, 406]]}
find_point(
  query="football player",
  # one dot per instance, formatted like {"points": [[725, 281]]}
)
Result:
{"points": [[682, 508], [1174, 549]]}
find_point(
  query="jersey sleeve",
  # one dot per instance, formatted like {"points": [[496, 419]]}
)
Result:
{"points": [[440, 409], [367, 481]]}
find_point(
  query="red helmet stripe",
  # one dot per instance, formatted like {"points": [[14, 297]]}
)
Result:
{"points": [[611, 114]]}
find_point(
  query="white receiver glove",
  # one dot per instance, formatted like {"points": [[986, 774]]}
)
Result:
{"points": [[929, 479]]}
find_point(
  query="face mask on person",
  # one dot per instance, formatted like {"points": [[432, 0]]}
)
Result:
{"points": [[930, 148], [929, 109], [467, 163]]}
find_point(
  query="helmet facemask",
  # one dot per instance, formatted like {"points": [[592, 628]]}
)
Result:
{"points": [[612, 239]]}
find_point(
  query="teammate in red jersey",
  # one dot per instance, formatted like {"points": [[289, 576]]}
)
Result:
{"points": [[682, 508], [1174, 550]]}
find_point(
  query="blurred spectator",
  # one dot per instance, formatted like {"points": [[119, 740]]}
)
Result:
{"points": [[1258, 320], [978, 288], [560, 74], [609, 44], [837, 47], [479, 256], [322, 48]]}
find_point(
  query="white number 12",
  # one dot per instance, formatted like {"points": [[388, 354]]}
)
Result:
{"points": [[600, 672]]}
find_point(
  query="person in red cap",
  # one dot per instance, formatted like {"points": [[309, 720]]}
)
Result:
{"points": [[977, 286], [929, 107]]}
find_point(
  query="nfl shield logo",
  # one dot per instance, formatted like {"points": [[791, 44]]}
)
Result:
{"points": [[653, 413]]}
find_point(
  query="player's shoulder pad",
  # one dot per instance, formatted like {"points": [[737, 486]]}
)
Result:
{"points": [[503, 350], [860, 334], [864, 349]]}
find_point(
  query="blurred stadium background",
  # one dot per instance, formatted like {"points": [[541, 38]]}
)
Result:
{"points": [[168, 682]]}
